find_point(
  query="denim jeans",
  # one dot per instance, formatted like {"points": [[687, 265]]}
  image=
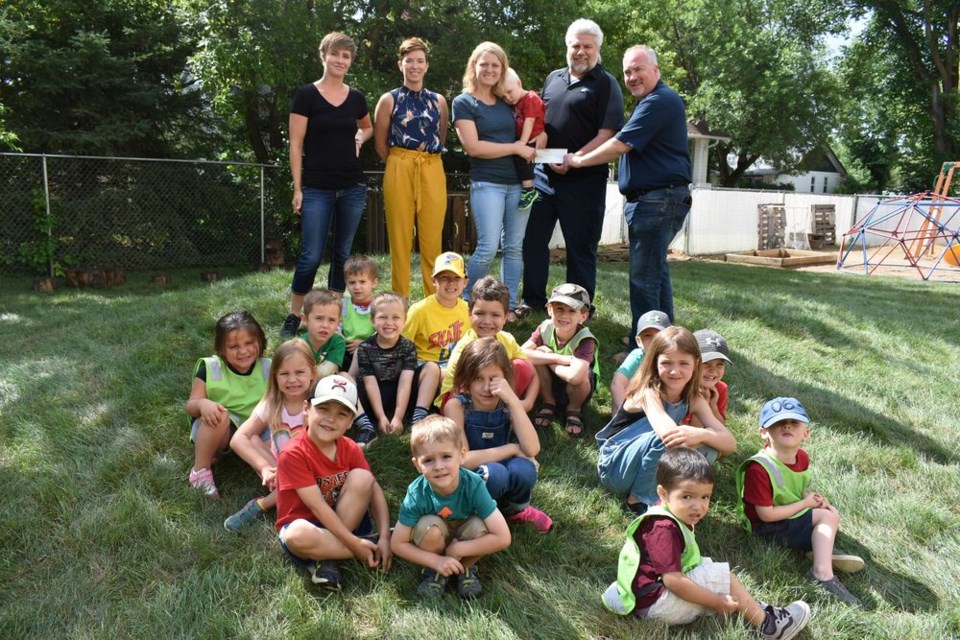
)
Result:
{"points": [[321, 208], [510, 482], [653, 221], [498, 223]]}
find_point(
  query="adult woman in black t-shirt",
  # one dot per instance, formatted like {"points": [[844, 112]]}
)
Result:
{"points": [[329, 122]]}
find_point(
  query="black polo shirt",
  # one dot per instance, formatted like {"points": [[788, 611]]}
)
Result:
{"points": [[657, 136], [577, 111]]}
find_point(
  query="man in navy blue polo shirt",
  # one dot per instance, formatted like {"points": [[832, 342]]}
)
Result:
{"points": [[584, 109], [654, 177]]}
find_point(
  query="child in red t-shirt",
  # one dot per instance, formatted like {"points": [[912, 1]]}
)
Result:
{"points": [[326, 492], [528, 112]]}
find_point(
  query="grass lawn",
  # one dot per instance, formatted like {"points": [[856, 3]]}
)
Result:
{"points": [[100, 535]]}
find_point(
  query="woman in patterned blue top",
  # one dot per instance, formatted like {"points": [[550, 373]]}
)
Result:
{"points": [[411, 125]]}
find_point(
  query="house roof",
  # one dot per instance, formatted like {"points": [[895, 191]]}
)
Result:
{"points": [[696, 131]]}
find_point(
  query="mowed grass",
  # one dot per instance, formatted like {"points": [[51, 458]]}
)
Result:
{"points": [[100, 535]]}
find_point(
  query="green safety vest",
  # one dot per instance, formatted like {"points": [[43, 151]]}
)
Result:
{"points": [[788, 485], [238, 394], [356, 326], [630, 558], [547, 334]]}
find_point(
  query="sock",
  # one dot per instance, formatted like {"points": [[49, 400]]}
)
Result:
{"points": [[526, 189], [362, 422], [419, 413], [260, 505]]}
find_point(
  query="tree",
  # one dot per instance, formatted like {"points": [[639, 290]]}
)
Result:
{"points": [[96, 77], [904, 71], [753, 69]]}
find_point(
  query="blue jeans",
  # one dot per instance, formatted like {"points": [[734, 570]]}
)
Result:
{"points": [[653, 220], [630, 468], [321, 208], [510, 482], [498, 223]]}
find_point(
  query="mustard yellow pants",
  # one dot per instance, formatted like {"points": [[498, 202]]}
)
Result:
{"points": [[414, 191]]}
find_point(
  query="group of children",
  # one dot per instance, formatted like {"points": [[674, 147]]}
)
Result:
{"points": [[371, 363]]}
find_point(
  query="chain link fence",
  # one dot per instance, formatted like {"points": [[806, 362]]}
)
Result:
{"points": [[62, 212], [66, 211]]}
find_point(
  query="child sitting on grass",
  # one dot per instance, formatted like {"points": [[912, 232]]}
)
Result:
{"points": [[714, 357], [280, 416], [489, 305], [501, 443], [648, 325], [321, 315], [448, 521], [326, 492], [565, 356], [356, 319], [664, 391], [387, 362], [661, 574], [226, 388], [776, 502], [435, 325]]}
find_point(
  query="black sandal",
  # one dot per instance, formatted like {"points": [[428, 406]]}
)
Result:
{"points": [[574, 424], [545, 416], [522, 311]]}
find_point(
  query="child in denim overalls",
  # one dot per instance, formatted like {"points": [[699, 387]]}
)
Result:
{"points": [[501, 442]]}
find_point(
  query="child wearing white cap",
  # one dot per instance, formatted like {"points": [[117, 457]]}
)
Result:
{"points": [[326, 493]]}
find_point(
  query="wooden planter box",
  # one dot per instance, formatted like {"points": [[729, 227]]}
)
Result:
{"points": [[784, 258]]}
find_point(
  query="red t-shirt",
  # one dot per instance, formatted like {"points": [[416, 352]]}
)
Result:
{"points": [[661, 544], [757, 488], [529, 106], [721, 402], [302, 464]]}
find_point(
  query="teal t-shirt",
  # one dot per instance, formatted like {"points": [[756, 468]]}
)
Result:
{"points": [[470, 499], [631, 363]]}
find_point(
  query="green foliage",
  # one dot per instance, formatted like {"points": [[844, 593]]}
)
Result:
{"points": [[39, 253], [97, 77]]}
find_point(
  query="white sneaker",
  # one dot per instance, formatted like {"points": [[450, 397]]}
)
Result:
{"points": [[783, 623]]}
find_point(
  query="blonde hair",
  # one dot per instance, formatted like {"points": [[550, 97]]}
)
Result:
{"points": [[435, 429], [387, 298], [670, 339], [470, 73], [477, 355], [274, 397], [321, 297]]}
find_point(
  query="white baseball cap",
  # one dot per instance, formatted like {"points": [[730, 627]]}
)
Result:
{"points": [[336, 388]]}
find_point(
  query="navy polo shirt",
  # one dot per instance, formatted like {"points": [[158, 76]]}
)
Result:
{"points": [[657, 136], [577, 109]]}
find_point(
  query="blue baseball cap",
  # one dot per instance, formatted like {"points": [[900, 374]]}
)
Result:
{"points": [[782, 409]]}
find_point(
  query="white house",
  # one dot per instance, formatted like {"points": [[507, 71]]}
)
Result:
{"points": [[820, 172]]}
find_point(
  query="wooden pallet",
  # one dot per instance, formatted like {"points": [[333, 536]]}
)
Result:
{"points": [[771, 226], [824, 225]]}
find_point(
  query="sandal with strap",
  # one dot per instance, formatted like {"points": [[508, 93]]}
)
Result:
{"points": [[522, 311], [545, 416], [574, 425]]}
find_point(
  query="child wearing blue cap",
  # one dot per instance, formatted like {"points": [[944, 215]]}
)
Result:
{"points": [[776, 502], [648, 325]]}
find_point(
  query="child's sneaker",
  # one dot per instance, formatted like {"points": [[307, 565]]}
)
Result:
{"points": [[250, 512], [432, 585], [527, 198], [835, 588], [290, 327], [468, 584], [365, 437], [842, 561], [783, 623], [202, 479], [540, 521], [326, 575]]}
